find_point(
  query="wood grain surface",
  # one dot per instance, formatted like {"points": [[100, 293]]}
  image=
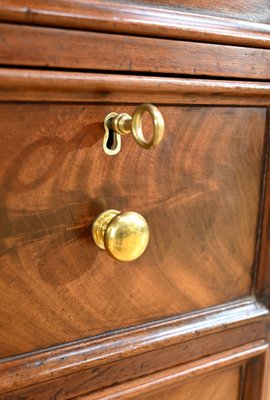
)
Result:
{"points": [[147, 20], [267, 378], [199, 191], [75, 368], [97, 383], [46, 86], [263, 254], [189, 320], [219, 386], [164, 380], [256, 377], [250, 10], [29, 46]]}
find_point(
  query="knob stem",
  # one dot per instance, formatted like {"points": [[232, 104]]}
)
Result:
{"points": [[100, 225], [122, 124]]}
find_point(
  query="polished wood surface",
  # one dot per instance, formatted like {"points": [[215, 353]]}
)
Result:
{"points": [[164, 380], [263, 253], [130, 354], [139, 19], [250, 10], [220, 386], [189, 319], [73, 49], [267, 377], [56, 179], [35, 86]]}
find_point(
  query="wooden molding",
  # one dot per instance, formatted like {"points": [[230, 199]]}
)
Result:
{"points": [[136, 19], [36, 368], [266, 388], [171, 377], [256, 378], [263, 245], [31, 85], [70, 49]]}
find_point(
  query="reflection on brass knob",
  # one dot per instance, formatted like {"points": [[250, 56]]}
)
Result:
{"points": [[122, 124], [124, 236]]}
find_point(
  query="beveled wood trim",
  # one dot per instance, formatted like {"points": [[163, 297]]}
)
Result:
{"points": [[266, 388], [30, 46], [38, 367], [143, 20], [160, 381], [130, 368], [255, 379], [263, 246], [31, 85]]}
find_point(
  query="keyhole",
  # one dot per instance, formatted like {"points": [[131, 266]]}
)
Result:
{"points": [[112, 140]]}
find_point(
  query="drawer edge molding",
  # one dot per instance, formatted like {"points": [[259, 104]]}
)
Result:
{"points": [[262, 259], [137, 19], [37, 367], [49, 86], [163, 380], [40, 47]]}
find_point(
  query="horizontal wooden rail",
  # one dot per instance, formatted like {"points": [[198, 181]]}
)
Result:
{"points": [[30, 85], [136, 19]]}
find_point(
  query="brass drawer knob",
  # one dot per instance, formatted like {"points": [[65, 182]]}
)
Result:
{"points": [[118, 125], [124, 236]]}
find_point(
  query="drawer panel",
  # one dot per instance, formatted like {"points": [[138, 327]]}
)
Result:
{"points": [[223, 385], [199, 190]]}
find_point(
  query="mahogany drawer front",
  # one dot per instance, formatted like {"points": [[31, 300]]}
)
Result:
{"points": [[199, 190]]}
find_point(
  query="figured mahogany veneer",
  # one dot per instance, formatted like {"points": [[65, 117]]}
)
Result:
{"points": [[199, 191]]}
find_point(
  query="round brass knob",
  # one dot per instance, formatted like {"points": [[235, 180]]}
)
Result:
{"points": [[124, 236]]}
